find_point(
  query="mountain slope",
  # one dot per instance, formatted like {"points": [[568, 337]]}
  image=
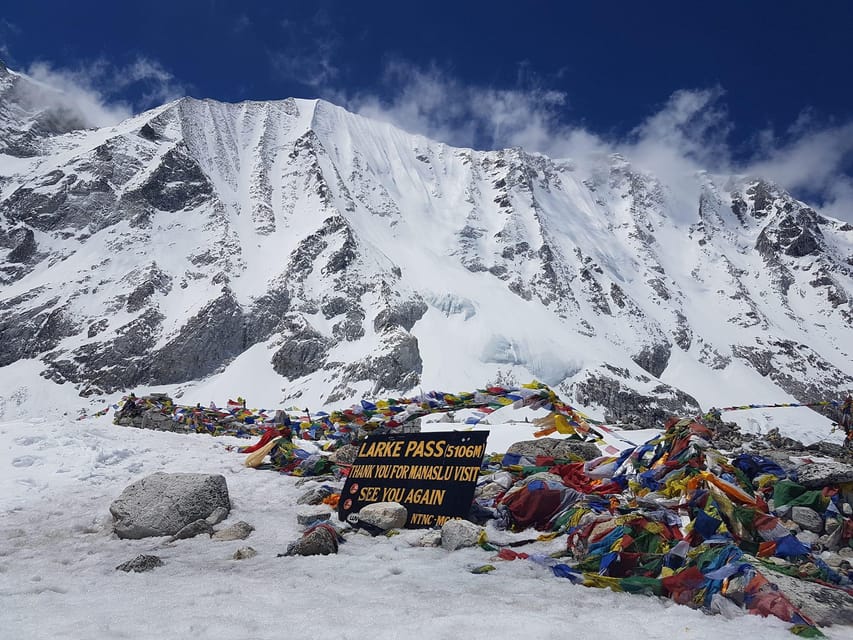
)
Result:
{"points": [[364, 260]]}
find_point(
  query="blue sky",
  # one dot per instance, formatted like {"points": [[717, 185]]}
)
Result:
{"points": [[731, 86]]}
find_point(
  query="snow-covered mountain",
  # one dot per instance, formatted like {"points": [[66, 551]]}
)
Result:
{"points": [[346, 257]]}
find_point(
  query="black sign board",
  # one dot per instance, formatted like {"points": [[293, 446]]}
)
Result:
{"points": [[433, 475]]}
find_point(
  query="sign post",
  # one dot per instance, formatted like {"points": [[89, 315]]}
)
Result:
{"points": [[433, 475]]}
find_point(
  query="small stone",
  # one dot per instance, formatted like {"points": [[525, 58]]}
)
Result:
{"points": [[219, 514], [312, 514], [384, 515], [244, 553], [314, 496], [307, 479], [820, 475], [488, 490], [807, 518], [457, 534], [140, 563], [808, 537], [192, 530], [431, 538], [832, 559], [346, 454], [237, 531], [319, 541], [502, 478]]}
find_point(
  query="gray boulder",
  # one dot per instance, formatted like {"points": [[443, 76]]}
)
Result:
{"points": [[319, 541], [384, 515], [820, 475], [314, 496], [557, 447], [825, 605], [457, 534], [346, 454], [164, 503], [237, 531], [572, 448], [807, 518], [311, 514]]}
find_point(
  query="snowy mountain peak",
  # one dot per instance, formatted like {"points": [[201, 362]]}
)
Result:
{"points": [[348, 257]]}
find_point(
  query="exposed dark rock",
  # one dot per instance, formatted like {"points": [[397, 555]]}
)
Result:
{"points": [[31, 332], [351, 327], [266, 314], [25, 245], [177, 183], [625, 405], [683, 334], [654, 358], [404, 315], [147, 132], [155, 281], [303, 351], [794, 367], [335, 306], [140, 564], [112, 365], [343, 257], [97, 327], [346, 454], [762, 195], [400, 366], [205, 343]]}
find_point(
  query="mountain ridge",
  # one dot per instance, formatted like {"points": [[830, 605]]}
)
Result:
{"points": [[363, 260]]}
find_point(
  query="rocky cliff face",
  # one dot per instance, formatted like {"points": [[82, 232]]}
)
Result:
{"points": [[364, 260]]}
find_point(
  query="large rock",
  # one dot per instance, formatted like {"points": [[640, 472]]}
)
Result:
{"points": [[807, 518], [457, 534], [384, 515], [825, 605], [556, 447], [820, 475], [164, 503]]}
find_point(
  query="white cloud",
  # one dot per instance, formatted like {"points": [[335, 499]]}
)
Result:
{"points": [[436, 105], [159, 85], [91, 95], [812, 160], [74, 94], [690, 132]]}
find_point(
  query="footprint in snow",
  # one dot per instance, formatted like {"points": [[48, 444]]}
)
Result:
{"points": [[26, 461]]}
